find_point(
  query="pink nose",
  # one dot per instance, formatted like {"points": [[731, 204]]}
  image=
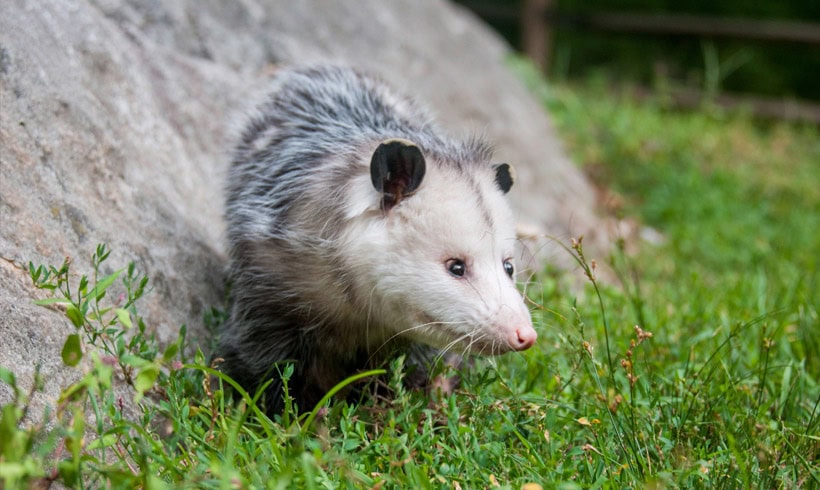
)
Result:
{"points": [[523, 338]]}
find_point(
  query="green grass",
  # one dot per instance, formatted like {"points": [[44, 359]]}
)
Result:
{"points": [[723, 394]]}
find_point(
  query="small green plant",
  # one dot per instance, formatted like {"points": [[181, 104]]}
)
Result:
{"points": [[174, 424], [108, 348], [106, 326], [20, 452]]}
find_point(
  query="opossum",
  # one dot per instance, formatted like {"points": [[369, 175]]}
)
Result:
{"points": [[358, 231]]}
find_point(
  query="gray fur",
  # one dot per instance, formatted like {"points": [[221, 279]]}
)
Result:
{"points": [[295, 295]]}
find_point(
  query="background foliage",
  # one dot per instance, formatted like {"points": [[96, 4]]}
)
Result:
{"points": [[750, 66]]}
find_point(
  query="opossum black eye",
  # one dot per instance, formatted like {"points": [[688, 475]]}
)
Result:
{"points": [[456, 267], [509, 268]]}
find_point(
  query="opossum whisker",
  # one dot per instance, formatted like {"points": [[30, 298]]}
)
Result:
{"points": [[467, 346], [476, 337], [491, 360], [367, 319], [466, 339], [445, 350], [404, 331], [480, 338], [440, 354]]}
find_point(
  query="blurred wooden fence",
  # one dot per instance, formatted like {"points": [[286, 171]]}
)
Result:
{"points": [[538, 19]]}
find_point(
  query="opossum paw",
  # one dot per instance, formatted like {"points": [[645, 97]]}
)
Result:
{"points": [[442, 385]]}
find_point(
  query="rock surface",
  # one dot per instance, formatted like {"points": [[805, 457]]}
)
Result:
{"points": [[114, 128]]}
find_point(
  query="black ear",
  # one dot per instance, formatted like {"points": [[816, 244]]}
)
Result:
{"points": [[504, 176], [396, 170]]}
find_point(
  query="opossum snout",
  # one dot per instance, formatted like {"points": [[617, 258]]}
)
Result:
{"points": [[522, 338]]}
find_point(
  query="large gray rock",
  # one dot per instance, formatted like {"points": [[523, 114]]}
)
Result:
{"points": [[114, 127]]}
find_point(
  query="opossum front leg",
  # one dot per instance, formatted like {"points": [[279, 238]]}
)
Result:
{"points": [[445, 384], [421, 363]]}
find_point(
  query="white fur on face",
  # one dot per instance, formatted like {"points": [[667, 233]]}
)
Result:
{"points": [[404, 258]]}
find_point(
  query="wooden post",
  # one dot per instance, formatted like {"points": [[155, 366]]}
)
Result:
{"points": [[536, 33]]}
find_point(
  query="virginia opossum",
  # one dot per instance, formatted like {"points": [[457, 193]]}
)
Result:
{"points": [[359, 231]]}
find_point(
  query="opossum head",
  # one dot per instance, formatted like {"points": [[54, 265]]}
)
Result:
{"points": [[438, 254]]}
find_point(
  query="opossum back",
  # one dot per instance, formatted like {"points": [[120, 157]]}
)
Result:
{"points": [[313, 117]]}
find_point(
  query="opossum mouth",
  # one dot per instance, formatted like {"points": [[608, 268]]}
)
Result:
{"points": [[454, 341]]}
